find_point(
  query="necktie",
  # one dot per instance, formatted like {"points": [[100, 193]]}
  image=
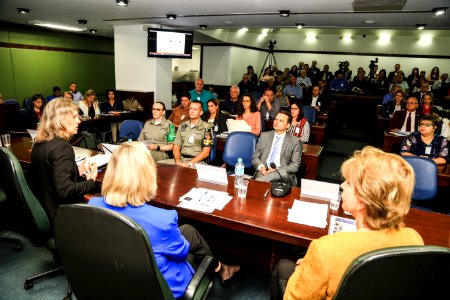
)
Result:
{"points": [[408, 123], [275, 149]]}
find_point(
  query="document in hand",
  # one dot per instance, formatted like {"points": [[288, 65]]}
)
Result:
{"points": [[319, 189], [237, 125], [99, 159], [212, 174]]}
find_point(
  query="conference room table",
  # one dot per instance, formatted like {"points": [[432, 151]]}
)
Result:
{"points": [[311, 157], [256, 215]]}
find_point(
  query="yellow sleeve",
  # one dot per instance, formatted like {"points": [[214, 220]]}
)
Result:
{"points": [[310, 279]]}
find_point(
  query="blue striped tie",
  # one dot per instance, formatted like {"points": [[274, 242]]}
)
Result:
{"points": [[275, 149]]}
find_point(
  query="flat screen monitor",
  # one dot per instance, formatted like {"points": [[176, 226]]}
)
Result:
{"points": [[169, 43]]}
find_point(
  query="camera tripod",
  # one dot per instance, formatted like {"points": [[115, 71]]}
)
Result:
{"points": [[269, 58]]}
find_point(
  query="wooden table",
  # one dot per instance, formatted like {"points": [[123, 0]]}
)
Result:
{"points": [[310, 157], [267, 217], [390, 141]]}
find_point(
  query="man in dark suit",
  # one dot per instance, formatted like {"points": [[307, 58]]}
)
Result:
{"points": [[406, 120], [316, 99], [326, 75], [396, 71], [280, 148], [423, 89]]}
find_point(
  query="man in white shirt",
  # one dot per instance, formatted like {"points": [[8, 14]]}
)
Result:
{"points": [[304, 81], [277, 147]]}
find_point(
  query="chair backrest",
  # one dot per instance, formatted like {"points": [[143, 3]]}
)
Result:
{"points": [[212, 153], [106, 255], [409, 272], [11, 102], [310, 113], [27, 103], [239, 144], [33, 217], [130, 129], [426, 177]]}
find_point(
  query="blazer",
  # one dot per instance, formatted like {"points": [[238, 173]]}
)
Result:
{"points": [[329, 76], [399, 118], [220, 121], [322, 99], [54, 175], [290, 155], [169, 246]]}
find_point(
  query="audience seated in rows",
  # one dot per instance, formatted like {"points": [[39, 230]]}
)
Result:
{"points": [[268, 105]]}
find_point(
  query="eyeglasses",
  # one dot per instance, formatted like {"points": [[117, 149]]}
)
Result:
{"points": [[157, 109], [425, 125]]}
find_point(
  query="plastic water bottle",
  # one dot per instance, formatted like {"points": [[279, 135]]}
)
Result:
{"points": [[267, 116], [238, 172]]}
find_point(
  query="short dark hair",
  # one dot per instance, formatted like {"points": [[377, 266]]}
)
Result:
{"points": [[199, 102], [283, 112], [37, 96], [429, 117], [56, 88], [110, 90], [163, 105], [185, 94]]}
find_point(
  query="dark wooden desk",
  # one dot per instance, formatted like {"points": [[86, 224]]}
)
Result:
{"points": [[390, 141], [310, 157], [267, 217]]}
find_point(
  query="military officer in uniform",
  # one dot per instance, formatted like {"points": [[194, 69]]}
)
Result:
{"points": [[194, 139], [155, 133]]}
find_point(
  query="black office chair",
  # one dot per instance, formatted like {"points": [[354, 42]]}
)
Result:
{"points": [[106, 255], [6, 240], [34, 221], [410, 272]]}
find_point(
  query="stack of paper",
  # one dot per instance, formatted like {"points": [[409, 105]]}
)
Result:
{"points": [[319, 189], [307, 213], [204, 200], [99, 159]]}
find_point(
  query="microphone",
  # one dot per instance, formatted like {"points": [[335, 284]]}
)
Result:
{"points": [[274, 166]]}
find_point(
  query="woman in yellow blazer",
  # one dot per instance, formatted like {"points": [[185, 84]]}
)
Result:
{"points": [[377, 192]]}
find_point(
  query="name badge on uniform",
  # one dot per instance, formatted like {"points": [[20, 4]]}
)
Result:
{"points": [[182, 117], [428, 150], [216, 128], [297, 130], [191, 139]]}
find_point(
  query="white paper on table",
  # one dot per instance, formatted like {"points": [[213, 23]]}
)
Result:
{"points": [[212, 174], [99, 159], [204, 200], [399, 133], [307, 213], [319, 189], [238, 125], [109, 148], [338, 224]]}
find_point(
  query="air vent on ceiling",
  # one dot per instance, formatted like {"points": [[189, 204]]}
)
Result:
{"points": [[378, 5]]}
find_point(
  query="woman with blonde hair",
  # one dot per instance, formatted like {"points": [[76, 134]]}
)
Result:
{"points": [[377, 192], [131, 196], [89, 105], [56, 178]]}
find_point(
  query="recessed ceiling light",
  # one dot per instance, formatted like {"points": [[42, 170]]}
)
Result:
{"points": [[203, 27], [24, 11], [122, 2], [284, 13], [171, 16], [438, 11], [421, 26], [57, 26], [228, 22], [369, 22], [243, 29], [93, 31], [300, 25]]}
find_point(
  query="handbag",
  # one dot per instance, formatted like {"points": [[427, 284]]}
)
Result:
{"points": [[132, 104]]}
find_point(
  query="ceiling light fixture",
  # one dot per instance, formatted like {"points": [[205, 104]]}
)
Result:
{"points": [[438, 11], [57, 26], [284, 13], [300, 25], [171, 16], [24, 11], [203, 27], [421, 26], [243, 29], [82, 22], [93, 31], [122, 2]]}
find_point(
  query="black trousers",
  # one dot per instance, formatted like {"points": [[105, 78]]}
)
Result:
{"points": [[280, 276], [199, 247]]}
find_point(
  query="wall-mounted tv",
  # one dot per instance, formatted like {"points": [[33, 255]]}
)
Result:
{"points": [[169, 43]]}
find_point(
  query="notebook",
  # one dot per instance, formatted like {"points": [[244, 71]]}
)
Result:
{"points": [[237, 125]]}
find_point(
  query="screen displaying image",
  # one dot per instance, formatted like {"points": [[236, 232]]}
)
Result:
{"points": [[169, 43]]}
